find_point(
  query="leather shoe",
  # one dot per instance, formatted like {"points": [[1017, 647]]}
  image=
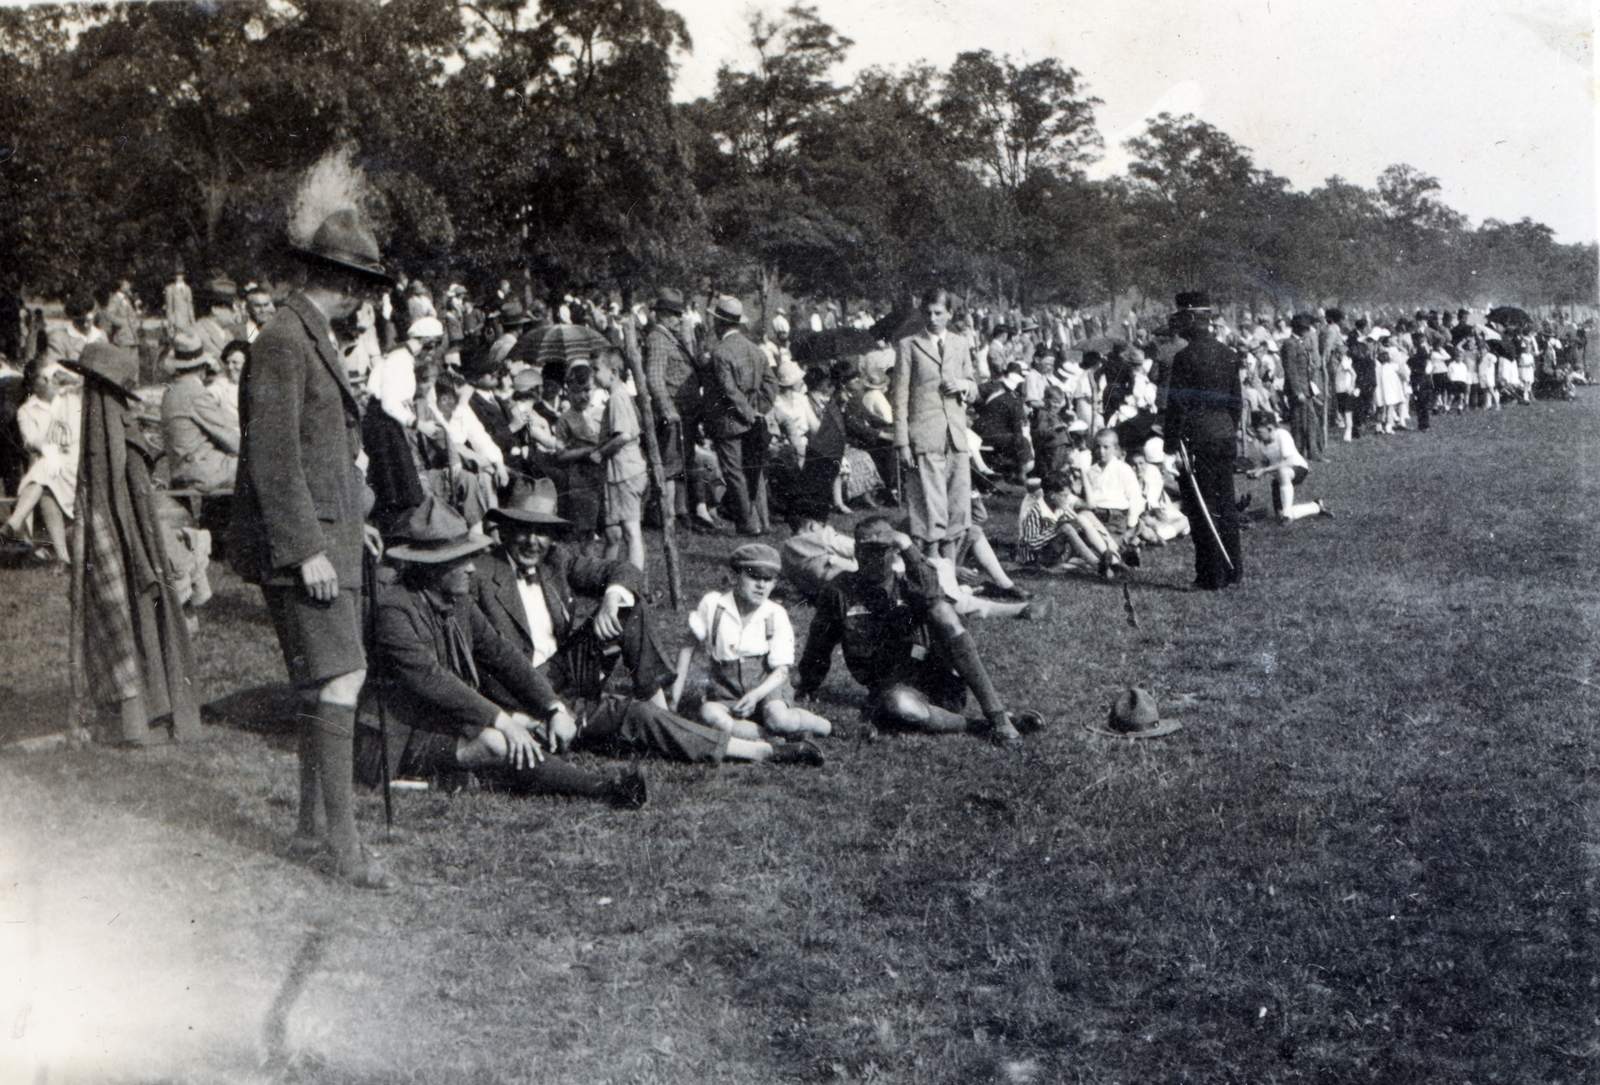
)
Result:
{"points": [[630, 792], [797, 753]]}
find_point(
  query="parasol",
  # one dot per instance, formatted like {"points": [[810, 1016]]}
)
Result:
{"points": [[562, 343], [1509, 316]]}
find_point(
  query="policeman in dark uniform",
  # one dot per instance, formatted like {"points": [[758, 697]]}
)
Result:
{"points": [[1204, 403]]}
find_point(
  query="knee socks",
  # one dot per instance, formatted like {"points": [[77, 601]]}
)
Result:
{"points": [[964, 654], [332, 730]]}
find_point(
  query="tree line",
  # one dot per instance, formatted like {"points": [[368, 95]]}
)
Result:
{"points": [[504, 137]]}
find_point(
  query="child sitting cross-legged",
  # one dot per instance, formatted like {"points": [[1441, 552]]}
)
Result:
{"points": [[1055, 529], [749, 648], [1287, 468]]}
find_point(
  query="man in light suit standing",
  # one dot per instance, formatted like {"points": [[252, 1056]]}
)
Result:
{"points": [[932, 385]]}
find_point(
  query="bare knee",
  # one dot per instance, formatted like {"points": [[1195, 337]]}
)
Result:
{"points": [[344, 690], [905, 705]]}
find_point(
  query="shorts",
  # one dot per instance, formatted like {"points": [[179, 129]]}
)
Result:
{"points": [[1348, 402], [1299, 476], [1441, 383], [1458, 388], [624, 501], [320, 641], [723, 684]]}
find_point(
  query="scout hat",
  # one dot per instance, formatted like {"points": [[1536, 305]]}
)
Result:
{"points": [[345, 241], [536, 508], [432, 534], [1134, 715], [187, 352], [116, 367], [756, 558], [728, 310]]}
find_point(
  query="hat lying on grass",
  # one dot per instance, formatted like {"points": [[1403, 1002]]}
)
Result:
{"points": [[1134, 715]]}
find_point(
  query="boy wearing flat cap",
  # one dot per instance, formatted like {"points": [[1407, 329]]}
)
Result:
{"points": [[749, 648]]}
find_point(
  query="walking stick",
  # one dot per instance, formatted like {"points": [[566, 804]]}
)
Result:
{"points": [[369, 588], [1205, 513], [652, 452]]}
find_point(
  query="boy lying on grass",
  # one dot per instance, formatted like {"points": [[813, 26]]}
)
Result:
{"points": [[748, 644]]}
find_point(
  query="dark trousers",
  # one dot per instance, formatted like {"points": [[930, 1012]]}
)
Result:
{"points": [[1422, 398], [585, 665], [1305, 426], [1213, 477], [743, 460], [1363, 411]]}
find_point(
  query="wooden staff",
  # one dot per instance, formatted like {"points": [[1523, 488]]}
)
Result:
{"points": [[652, 453], [77, 704]]}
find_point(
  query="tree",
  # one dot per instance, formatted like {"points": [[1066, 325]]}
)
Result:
{"points": [[1005, 121]]}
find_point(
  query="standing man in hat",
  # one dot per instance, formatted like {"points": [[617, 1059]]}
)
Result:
{"points": [[299, 520], [674, 383], [932, 385], [741, 391], [201, 437], [1300, 385], [1204, 404], [179, 303]]}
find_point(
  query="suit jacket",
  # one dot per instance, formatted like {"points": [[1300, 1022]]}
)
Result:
{"points": [[299, 492], [743, 385], [563, 576], [671, 376], [432, 677], [1299, 368], [925, 419], [496, 420], [1204, 399], [202, 438]]}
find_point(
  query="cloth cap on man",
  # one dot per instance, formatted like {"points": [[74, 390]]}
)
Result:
{"points": [[433, 533], [345, 241], [669, 301], [756, 558], [728, 310], [426, 327]]}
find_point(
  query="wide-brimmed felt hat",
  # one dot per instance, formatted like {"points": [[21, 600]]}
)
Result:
{"points": [[345, 241], [113, 366], [478, 360], [669, 301], [433, 533], [513, 315], [1133, 715], [536, 509], [728, 310]]}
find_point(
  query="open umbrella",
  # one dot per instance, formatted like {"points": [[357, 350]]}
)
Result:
{"points": [[562, 343], [1509, 316]]}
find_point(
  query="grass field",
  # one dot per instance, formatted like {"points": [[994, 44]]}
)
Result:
{"points": [[1369, 855]]}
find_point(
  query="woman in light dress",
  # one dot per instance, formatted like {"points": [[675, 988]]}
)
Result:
{"points": [[50, 421], [1390, 393]]}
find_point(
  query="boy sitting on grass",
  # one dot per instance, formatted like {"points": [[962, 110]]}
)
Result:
{"points": [[1288, 469], [749, 648], [1162, 520], [1056, 531]]}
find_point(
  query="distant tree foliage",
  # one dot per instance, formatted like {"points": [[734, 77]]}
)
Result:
{"points": [[508, 137]]}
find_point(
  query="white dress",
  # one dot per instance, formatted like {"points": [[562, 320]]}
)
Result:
{"points": [[51, 432], [1391, 389]]}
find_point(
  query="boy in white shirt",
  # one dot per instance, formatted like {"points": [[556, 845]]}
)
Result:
{"points": [[1112, 492], [1288, 469], [1162, 521], [749, 647]]}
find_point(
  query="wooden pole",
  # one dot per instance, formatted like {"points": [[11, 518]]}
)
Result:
{"points": [[78, 702], [652, 452]]}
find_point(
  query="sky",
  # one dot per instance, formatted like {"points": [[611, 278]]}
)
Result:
{"points": [[1495, 98]]}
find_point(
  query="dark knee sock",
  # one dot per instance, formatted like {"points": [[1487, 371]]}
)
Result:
{"points": [[312, 822], [964, 654], [333, 729], [555, 777]]}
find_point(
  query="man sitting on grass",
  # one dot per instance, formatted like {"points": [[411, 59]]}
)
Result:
{"points": [[903, 640]]}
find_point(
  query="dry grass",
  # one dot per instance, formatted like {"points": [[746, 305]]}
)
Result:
{"points": [[1369, 855]]}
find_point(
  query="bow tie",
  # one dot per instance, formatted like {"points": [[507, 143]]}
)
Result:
{"points": [[528, 576]]}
